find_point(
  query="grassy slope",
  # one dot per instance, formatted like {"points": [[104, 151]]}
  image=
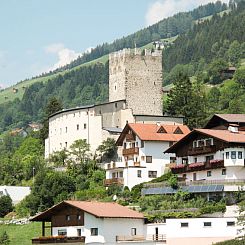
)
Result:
{"points": [[22, 234], [8, 92]]}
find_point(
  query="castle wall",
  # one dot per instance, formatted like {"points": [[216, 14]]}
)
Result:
{"points": [[137, 79]]}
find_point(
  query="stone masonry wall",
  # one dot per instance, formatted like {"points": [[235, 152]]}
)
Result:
{"points": [[138, 79]]}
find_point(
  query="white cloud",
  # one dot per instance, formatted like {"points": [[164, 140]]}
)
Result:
{"points": [[65, 55], [164, 8]]}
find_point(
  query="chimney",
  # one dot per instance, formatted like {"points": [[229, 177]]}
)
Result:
{"points": [[233, 128]]}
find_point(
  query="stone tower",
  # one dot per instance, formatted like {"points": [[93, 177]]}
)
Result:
{"points": [[137, 78]]}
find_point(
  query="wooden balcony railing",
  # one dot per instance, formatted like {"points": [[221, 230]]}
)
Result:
{"points": [[201, 150], [58, 239], [183, 168], [130, 238], [113, 181], [130, 151]]}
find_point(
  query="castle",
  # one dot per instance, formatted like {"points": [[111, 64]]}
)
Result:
{"points": [[135, 95]]}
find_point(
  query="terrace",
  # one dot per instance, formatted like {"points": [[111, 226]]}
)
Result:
{"points": [[58, 240]]}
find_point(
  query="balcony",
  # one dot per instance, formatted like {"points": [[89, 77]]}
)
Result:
{"points": [[130, 151], [201, 150], [113, 181], [184, 168], [58, 240], [156, 237], [129, 238]]}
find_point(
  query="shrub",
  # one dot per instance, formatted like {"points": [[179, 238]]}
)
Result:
{"points": [[5, 205]]}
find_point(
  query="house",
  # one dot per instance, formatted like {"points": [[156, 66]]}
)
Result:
{"points": [[223, 121], [202, 231], [18, 132], [142, 156], [34, 127], [91, 223], [16, 193]]}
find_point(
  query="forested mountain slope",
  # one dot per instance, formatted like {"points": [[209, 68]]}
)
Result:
{"points": [[89, 84]]}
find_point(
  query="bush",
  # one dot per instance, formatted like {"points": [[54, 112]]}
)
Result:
{"points": [[5, 205], [4, 238]]}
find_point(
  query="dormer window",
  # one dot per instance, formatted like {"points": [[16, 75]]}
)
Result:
{"points": [[178, 131], [162, 130]]}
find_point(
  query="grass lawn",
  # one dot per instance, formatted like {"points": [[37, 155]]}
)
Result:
{"points": [[22, 234]]}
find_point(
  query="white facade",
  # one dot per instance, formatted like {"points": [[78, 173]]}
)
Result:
{"points": [[233, 167], [108, 229], [148, 163], [202, 231]]}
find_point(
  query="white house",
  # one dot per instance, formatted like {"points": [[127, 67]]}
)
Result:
{"points": [[142, 155], [91, 223], [16, 193]]}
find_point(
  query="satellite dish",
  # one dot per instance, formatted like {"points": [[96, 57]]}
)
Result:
{"points": [[114, 197]]}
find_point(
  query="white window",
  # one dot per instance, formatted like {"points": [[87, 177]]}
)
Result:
{"points": [[239, 155], [233, 155], [149, 159], [227, 155], [139, 173], [230, 223], [207, 224], [152, 174], [94, 231], [133, 231], [184, 224], [62, 232]]}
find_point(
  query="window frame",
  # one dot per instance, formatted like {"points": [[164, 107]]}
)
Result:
{"points": [[239, 155], [184, 224], [94, 231], [223, 171], [151, 174], [207, 224], [233, 155], [139, 173], [209, 173], [147, 159]]}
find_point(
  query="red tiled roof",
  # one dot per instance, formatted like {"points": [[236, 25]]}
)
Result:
{"points": [[106, 209], [149, 132], [98, 209], [224, 135]]}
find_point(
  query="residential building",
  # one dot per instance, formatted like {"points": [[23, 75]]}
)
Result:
{"points": [[91, 223], [131, 77], [16, 193], [209, 161], [141, 155]]}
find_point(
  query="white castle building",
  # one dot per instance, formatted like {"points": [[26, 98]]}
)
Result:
{"points": [[135, 95]]}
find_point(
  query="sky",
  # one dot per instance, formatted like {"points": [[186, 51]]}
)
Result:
{"points": [[37, 36]]}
